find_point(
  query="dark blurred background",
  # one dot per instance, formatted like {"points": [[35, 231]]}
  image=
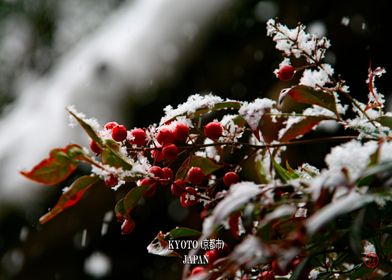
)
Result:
{"points": [[232, 58]]}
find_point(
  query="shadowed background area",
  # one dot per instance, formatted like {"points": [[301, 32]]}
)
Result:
{"points": [[125, 61]]}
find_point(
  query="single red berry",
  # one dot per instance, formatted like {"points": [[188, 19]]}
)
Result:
{"points": [[95, 148], [167, 174], [111, 181], [156, 154], [188, 198], [110, 125], [267, 275], [181, 131], [294, 263], [178, 187], [197, 270], [195, 175], [212, 256], [230, 178], [156, 171], [286, 72], [213, 130], [139, 136], [119, 133], [165, 136], [127, 226], [277, 269], [146, 182], [169, 151]]}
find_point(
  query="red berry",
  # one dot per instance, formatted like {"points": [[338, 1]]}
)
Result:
{"points": [[277, 270], [95, 148], [127, 226], [110, 125], [111, 181], [286, 72], [178, 187], [181, 131], [146, 182], [169, 151], [195, 175], [165, 136], [294, 263], [156, 171], [212, 256], [157, 154], [197, 270], [213, 130], [139, 136], [167, 174], [119, 133], [267, 275], [230, 178], [188, 198]]}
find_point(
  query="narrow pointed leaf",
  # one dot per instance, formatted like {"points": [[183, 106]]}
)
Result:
{"points": [[308, 95], [385, 121], [72, 196], [302, 127], [112, 155], [284, 174], [57, 167], [181, 232], [87, 127], [125, 205]]}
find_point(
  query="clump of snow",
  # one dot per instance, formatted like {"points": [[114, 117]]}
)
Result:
{"points": [[254, 111], [345, 21], [317, 77], [193, 103], [352, 156]]}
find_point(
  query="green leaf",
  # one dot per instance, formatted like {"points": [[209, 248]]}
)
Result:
{"points": [[385, 121], [74, 193], [253, 170], [125, 205], [284, 174], [87, 127], [308, 95], [302, 127], [111, 155], [367, 177], [57, 167], [207, 165], [181, 232]]}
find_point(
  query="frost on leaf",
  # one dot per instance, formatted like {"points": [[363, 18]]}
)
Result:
{"points": [[238, 195]]}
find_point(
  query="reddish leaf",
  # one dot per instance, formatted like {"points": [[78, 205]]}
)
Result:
{"points": [[57, 167], [74, 193], [302, 127], [308, 95]]}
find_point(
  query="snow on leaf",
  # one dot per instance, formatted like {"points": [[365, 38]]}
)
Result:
{"points": [[114, 156], [91, 126], [308, 95], [249, 252], [238, 195], [198, 104], [57, 167], [301, 127], [254, 111], [344, 205], [159, 246], [69, 198]]}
